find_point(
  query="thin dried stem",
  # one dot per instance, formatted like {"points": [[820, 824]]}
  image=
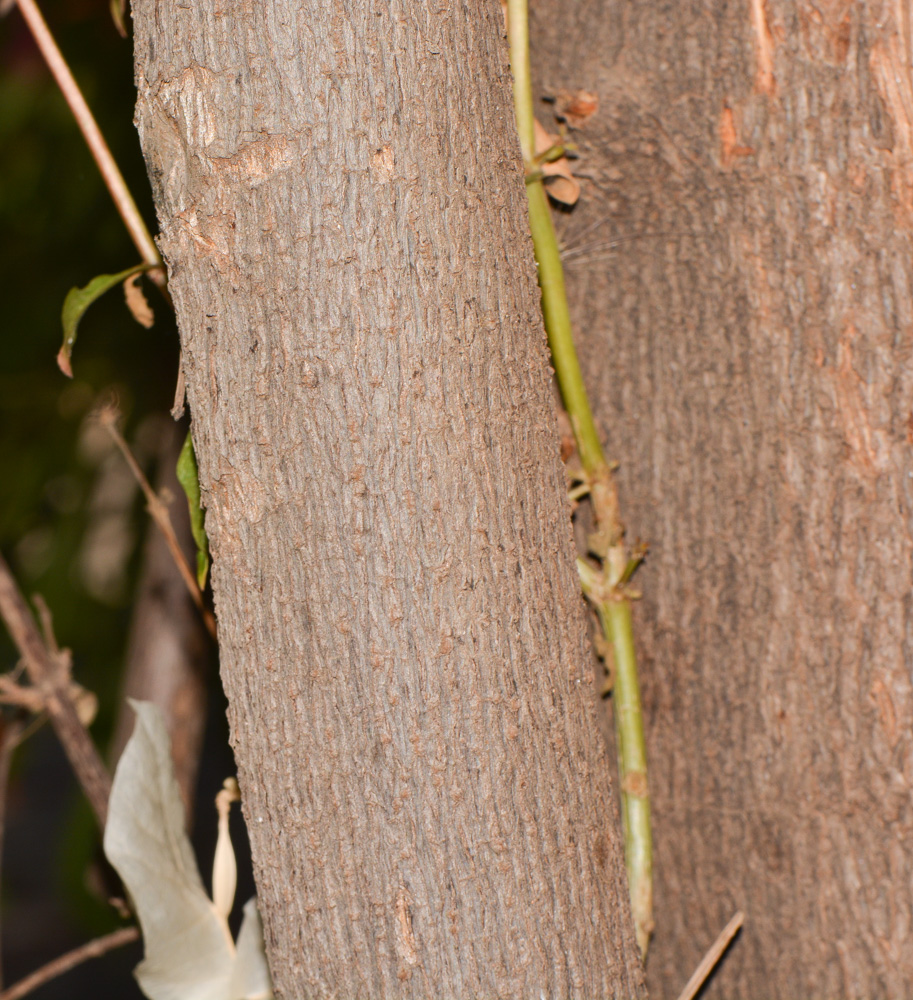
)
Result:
{"points": [[158, 510], [113, 178], [52, 680], [47, 624], [24, 697], [708, 962], [92, 949]]}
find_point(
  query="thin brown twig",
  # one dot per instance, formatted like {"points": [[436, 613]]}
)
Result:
{"points": [[158, 510], [113, 178], [50, 678], [707, 963], [32, 698], [69, 960], [30, 728], [25, 697], [47, 624]]}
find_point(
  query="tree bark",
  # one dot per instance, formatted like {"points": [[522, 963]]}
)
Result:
{"points": [[745, 324], [401, 630]]}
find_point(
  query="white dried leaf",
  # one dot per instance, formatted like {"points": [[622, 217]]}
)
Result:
{"points": [[189, 952], [250, 979]]}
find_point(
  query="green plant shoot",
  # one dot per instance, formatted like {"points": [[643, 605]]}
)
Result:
{"points": [[605, 578], [189, 478]]}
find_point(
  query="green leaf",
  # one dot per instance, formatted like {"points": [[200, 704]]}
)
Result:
{"points": [[78, 301], [189, 478]]}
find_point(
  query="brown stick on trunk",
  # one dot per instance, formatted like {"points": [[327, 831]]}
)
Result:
{"points": [[168, 645], [401, 628], [748, 342]]}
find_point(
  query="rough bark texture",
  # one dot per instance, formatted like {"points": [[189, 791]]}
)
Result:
{"points": [[400, 625], [748, 342]]}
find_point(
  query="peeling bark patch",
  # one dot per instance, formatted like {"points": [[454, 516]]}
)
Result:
{"points": [[886, 712], [891, 71], [853, 409], [382, 165], [826, 29], [765, 82], [187, 98], [259, 160], [405, 937], [213, 237], [600, 852], [730, 148]]}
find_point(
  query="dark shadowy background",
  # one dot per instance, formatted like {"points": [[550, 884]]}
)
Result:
{"points": [[71, 519]]}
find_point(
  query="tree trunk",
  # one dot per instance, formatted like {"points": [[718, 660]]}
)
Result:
{"points": [[745, 320], [401, 631]]}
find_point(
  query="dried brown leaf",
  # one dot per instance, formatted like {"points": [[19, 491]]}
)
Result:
{"points": [[576, 107], [559, 180], [137, 303]]}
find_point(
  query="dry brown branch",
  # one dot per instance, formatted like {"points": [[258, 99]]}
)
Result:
{"points": [[158, 511], [167, 647], [707, 963], [50, 677], [93, 949], [114, 181]]}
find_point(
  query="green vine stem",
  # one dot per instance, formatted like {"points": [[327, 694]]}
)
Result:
{"points": [[605, 584], [615, 619]]}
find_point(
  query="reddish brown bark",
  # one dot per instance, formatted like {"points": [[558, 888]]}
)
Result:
{"points": [[745, 324]]}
